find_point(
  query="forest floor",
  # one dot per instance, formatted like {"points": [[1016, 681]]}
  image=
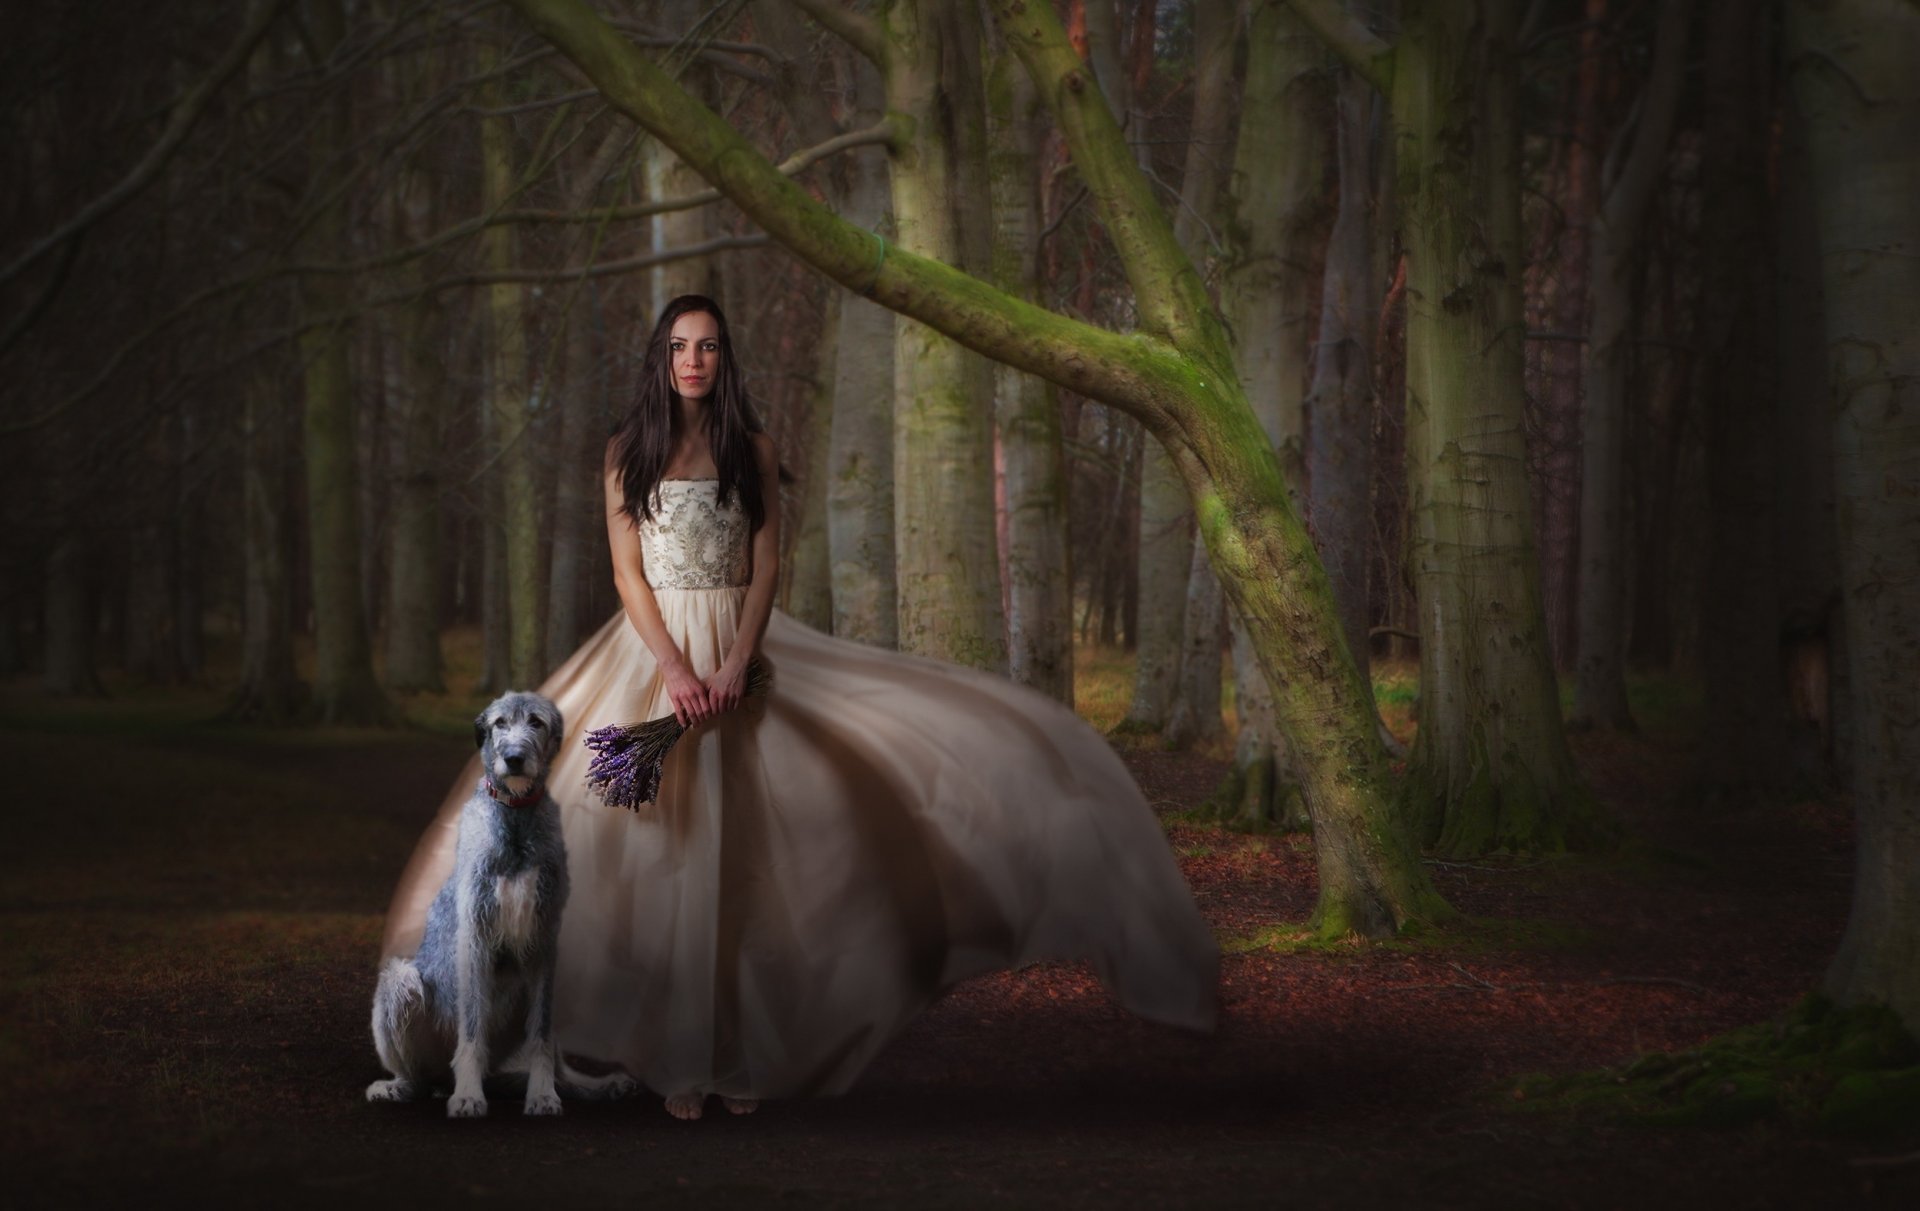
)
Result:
{"points": [[189, 915]]}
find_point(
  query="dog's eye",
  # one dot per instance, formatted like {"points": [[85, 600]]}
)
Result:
{"points": [[538, 724]]}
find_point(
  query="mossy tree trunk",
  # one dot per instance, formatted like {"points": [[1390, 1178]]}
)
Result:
{"points": [[344, 689], [1600, 679], [948, 605], [1039, 570], [1175, 374], [1273, 214], [1852, 65], [1490, 767], [509, 395]]}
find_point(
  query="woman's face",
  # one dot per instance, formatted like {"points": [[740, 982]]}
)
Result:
{"points": [[695, 344]]}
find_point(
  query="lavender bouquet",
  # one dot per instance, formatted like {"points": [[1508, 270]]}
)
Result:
{"points": [[627, 760]]}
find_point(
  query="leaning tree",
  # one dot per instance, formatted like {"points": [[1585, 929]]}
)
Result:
{"points": [[1175, 373]]}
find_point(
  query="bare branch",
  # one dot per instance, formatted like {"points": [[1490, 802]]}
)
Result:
{"points": [[856, 29], [185, 116]]}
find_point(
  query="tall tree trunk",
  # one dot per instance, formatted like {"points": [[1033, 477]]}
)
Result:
{"points": [[576, 524], [1556, 449], [860, 448], [70, 618], [1490, 767], [1852, 64], [1600, 681], [942, 441], [513, 435], [809, 569], [1743, 743], [270, 690], [667, 176], [344, 689], [413, 582], [1807, 559], [1340, 402], [1196, 700], [1039, 571], [1275, 212]]}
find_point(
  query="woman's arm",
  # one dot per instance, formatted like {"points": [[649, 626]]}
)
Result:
{"points": [[728, 685], [690, 698]]}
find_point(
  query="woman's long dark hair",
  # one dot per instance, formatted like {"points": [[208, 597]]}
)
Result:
{"points": [[644, 439]]}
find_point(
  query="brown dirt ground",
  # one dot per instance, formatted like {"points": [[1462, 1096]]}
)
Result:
{"points": [[185, 973]]}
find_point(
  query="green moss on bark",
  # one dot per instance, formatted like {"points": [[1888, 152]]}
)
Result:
{"points": [[1822, 1069]]}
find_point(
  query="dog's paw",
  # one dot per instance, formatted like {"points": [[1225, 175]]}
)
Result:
{"points": [[395, 1090], [466, 1106], [543, 1103], [619, 1084]]}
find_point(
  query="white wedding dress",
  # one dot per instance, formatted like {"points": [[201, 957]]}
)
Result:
{"points": [[823, 861]]}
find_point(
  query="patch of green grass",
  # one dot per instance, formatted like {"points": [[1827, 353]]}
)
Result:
{"points": [[1844, 1072], [1467, 936], [1102, 684]]}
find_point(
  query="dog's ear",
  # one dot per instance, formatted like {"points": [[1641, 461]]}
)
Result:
{"points": [[480, 730], [556, 731]]}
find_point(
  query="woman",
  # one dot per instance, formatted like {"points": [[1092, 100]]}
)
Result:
{"points": [[818, 863]]}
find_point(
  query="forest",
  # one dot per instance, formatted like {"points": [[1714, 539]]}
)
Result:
{"points": [[1464, 454]]}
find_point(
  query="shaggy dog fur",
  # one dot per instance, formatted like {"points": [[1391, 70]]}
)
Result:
{"points": [[481, 984]]}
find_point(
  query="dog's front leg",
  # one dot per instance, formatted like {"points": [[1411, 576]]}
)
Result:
{"points": [[542, 1097], [473, 972]]}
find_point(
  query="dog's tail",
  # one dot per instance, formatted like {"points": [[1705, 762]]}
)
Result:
{"points": [[399, 1000]]}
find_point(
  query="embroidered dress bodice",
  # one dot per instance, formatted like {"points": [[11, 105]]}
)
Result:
{"points": [[692, 542]]}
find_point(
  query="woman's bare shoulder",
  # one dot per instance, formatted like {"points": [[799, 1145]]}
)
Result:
{"points": [[765, 457]]}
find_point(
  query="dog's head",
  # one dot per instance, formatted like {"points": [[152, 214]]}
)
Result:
{"points": [[519, 735]]}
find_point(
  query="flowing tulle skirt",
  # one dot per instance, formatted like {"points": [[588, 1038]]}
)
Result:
{"points": [[822, 862]]}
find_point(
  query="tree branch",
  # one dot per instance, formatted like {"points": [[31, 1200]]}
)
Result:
{"points": [[186, 114], [1368, 55], [856, 29], [1171, 299], [793, 165], [484, 277], [1135, 373]]}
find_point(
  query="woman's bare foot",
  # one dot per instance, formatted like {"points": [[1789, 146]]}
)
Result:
{"points": [[740, 1105], [686, 1106]]}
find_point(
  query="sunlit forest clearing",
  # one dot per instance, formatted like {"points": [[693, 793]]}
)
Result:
{"points": [[1460, 454]]}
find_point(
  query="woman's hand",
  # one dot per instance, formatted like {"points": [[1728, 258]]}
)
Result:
{"points": [[727, 688], [692, 705]]}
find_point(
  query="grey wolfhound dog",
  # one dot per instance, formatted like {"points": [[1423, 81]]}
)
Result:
{"points": [[482, 982]]}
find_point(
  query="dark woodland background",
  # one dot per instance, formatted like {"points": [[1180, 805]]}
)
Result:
{"points": [[1580, 334]]}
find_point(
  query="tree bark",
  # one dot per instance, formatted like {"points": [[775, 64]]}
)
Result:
{"points": [[1743, 743], [942, 441], [1176, 375], [1852, 66], [1274, 214], [270, 690], [70, 619], [513, 435], [1600, 678], [1039, 572], [344, 689], [1490, 767]]}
